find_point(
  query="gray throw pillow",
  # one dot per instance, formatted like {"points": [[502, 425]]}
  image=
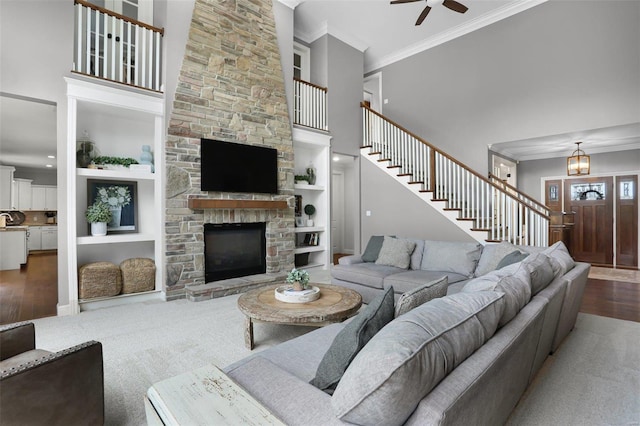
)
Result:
{"points": [[421, 295], [411, 355], [396, 252], [561, 260], [514, 257], [540, 270], [351, 339], [491, 255], [373, 248]]}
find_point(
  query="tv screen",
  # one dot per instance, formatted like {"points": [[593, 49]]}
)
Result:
{"points": [[233, 167]]}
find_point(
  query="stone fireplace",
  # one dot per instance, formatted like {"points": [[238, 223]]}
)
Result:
{"points": [[230, 88]]}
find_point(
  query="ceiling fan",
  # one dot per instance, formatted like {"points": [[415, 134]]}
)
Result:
{"points": [[450, 4]]}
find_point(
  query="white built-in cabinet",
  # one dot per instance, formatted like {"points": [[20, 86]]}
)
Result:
{"points": [[119, 122], [6, 183], [21, 194], [313, 149], [44, 197]]}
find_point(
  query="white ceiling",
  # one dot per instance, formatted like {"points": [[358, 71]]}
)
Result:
{"points": [[27, 132]]}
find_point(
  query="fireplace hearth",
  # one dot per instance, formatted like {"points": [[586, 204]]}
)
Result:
{"points": [[234, 250]]}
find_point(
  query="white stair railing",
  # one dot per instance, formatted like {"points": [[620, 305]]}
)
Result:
{"points": [[490, 207], [116, 48], [310, 105]]}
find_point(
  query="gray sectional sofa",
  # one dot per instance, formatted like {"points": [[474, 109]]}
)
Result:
{"points": [[465, 358]]}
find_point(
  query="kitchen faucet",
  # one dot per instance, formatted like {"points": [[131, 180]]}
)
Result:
{"points": [[3, 219]]}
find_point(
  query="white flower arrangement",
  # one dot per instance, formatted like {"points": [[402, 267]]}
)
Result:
{"points": [[299, 275], [114, 196]]}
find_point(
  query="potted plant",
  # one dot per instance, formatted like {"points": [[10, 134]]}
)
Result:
{"points": [[98, 215], [309, 210], [303, 179], [113, 162], [299, 278]]}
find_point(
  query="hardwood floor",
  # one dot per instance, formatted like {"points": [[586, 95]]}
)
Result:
{"points": [[32, 291]]}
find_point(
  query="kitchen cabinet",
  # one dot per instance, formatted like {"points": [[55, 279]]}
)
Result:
{"points": [[34, 241], [44, 197], [21, 194], [49, 238], [6, 183], [13, 246]]}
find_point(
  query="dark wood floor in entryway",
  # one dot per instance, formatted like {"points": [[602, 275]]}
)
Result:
{"points": [[31, 292]]}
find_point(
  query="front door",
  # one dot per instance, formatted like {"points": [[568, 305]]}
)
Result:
{"points": [[627, 221], [591, 199]]}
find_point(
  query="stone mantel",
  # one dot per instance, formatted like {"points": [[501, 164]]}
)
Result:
{"points": [[205, 203]]}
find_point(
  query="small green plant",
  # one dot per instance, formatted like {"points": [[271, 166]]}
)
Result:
{"points": [[98, 212], [298, 275], [309, 210], [300, 178], [120, 161]]}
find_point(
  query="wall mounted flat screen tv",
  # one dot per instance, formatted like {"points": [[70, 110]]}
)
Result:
{"points": [[234, 167]]}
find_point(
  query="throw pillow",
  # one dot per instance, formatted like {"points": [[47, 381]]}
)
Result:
{"points": [[491, 255], [421, 295], [351, 339], [561, 260], [540, 270], [514, 257], [373, 248], [411, 355], [396, 252], [449, 256]]}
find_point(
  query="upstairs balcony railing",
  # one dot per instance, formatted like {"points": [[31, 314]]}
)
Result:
{"points": [[114, 47], [309, 105]]}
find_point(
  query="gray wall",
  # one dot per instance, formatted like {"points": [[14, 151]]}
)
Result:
{"points": [[319, 72], [284, 30], [396, 211], [531, 172], [559, 67], [38, 176]]}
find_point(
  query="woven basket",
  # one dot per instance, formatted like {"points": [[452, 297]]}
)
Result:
{"points": [[138, 274], [99, 279]]}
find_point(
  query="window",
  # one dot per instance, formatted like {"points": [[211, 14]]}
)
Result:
{"points": [[301, 62]]}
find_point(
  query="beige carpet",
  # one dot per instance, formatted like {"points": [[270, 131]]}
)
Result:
{"points": [[610, 274]]}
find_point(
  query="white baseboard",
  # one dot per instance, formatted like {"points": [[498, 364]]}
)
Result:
{"points": [[70, 309]]}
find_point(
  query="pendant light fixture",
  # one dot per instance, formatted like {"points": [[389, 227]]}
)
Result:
{"points": [[579, 163]]}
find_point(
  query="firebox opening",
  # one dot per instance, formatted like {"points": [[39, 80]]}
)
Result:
{"points": [[234, 250]]}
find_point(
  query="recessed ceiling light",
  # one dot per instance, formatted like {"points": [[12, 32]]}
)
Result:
{"points": [[49, 165], [51, 156], [336, 158]]}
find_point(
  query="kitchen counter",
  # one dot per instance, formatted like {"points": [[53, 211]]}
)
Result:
{"points": [[14, 228]]}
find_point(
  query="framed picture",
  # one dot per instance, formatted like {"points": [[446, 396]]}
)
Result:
{"points": [[300, 222], [121, 197]]}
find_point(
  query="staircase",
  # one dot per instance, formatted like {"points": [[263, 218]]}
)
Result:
{"points": [[487, 209]]}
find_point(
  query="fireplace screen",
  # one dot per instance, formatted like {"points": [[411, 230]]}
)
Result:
{"points": [[234, 250]]}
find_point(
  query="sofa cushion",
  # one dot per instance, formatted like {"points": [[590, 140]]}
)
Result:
{"points": [[491, 255], [513, 281], [366, 274], [513, 257], [540, 271], [351, 339], [412, 354], [416, 256], [396, 252], [373, 248], [461, 258], [408, 280], [420, 295], [561, 260]]}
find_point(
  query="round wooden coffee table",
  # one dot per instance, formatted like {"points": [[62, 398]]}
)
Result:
{"points": [[335, 304]]}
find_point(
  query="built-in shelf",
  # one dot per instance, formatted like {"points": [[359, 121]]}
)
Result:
{"points": [[309, 229], [114, 174], [309, 249], [203, 203], [309, 187], [117, 238]]}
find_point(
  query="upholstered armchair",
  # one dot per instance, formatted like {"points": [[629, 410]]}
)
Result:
{"points": [[39, 387]]}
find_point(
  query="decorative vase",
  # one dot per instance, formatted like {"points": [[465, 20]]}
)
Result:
{"points": [[85, 153], [309, 222], [311, 172], [297, 286], [116, 214], [146, 157], [98, 229]]}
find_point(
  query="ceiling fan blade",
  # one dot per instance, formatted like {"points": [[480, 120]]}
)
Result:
{"points": [[403, 1], [455, 6], [423, 15]]}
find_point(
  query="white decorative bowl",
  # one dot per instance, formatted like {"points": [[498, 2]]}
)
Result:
{"points": [[287, 294]]}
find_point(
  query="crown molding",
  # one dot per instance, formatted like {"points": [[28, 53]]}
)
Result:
{"points": [[324, 28], [290, 3], [499, 14]]}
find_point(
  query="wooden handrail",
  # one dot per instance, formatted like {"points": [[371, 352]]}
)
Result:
{"points": [[447, 156], [324, 89], [118, 16], [513, 188]]}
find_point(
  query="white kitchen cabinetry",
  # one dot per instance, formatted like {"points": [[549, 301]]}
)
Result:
{"points": [[6, 184], [313, 149], [21, 194], [44, 197], [34, 241], [49, 238], [119, 123], [13, 246]]}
